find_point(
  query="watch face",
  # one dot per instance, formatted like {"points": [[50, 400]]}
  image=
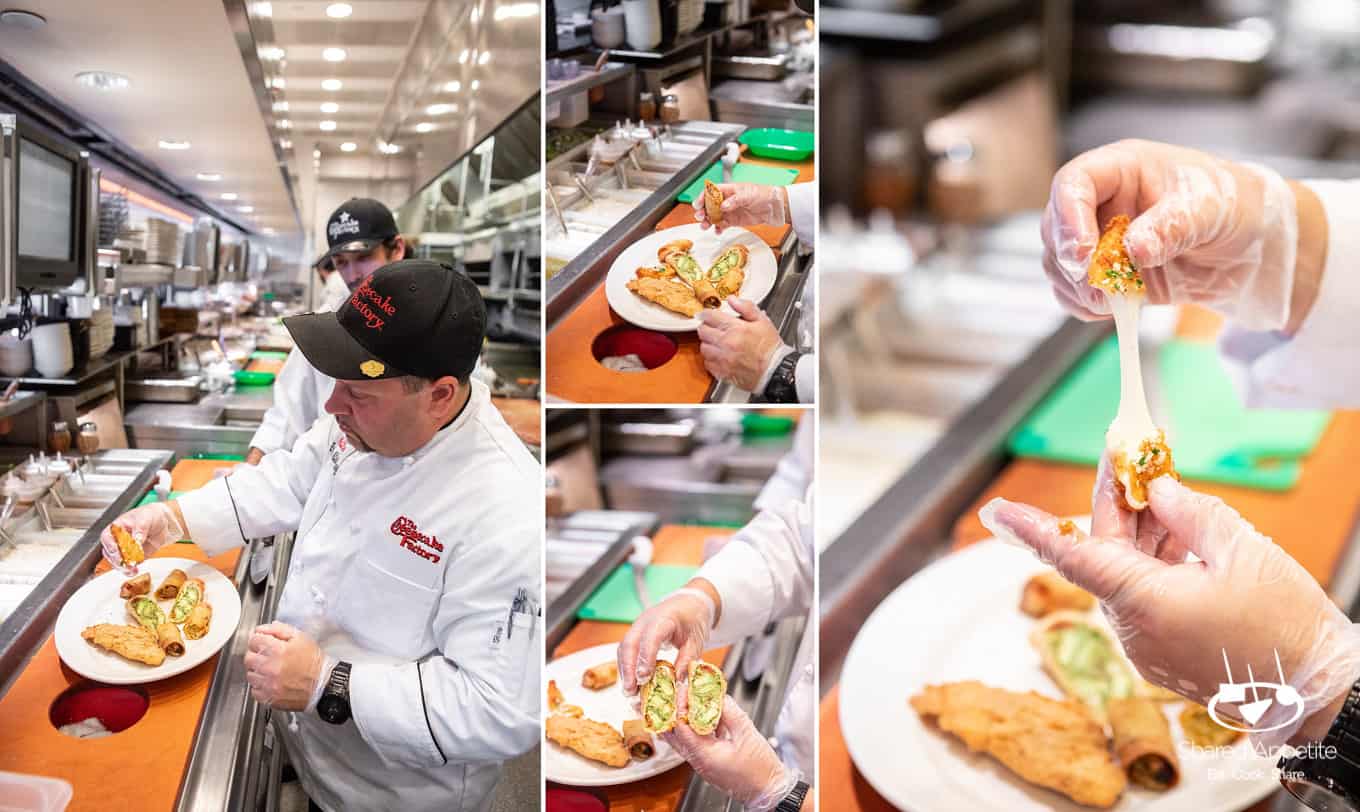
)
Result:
{"points": [[332, 709]]}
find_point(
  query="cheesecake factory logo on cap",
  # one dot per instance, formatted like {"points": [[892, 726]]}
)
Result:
{"points": [[342, 225], [372, 305]]}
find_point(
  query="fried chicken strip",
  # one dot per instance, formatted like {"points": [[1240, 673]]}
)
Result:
{"points": [[1046, 742], [596, 741], [135, 643]]}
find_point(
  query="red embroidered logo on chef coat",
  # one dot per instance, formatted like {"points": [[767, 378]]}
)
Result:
{"points": [[372, 305], [415, 541]]}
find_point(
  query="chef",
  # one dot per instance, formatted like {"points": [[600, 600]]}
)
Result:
{"points": [[746, 349], [333, 291], [764, 574], [362, 236], [406, 648]]}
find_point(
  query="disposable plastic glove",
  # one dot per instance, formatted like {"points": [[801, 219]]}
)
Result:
{"points": [[736, 759], [152, 525], [1245, 598], [684, 619], [1203, 230], [743, 348], [746, 204], [285, 668]]}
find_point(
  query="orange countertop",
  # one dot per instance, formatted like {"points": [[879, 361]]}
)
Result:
{"points": [[138, 768], [574, 374], [1311, 521], [672, 544]]}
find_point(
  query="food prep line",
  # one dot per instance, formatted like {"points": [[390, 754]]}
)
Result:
{"points": [[31, 622], [579, 284], [931, 510], [674, 544]]}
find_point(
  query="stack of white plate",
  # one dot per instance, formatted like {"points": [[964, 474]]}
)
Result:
{"points": [[16, 355], [162, 242], [691, 14], [101, 331]]}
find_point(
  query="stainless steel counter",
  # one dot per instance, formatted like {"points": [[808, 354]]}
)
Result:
{"points": [[32, 620], [217, 424]]}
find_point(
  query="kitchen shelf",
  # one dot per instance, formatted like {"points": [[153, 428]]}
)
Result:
{"points": [[863, 23], [589, 79], [102, 364]]}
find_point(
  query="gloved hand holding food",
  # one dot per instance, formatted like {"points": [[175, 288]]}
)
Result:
{"points": [[286, 669], [736, 759], [684, 620], [1245, 601], [744, 204], [139, 533], [739, 348], [1204, 230]]}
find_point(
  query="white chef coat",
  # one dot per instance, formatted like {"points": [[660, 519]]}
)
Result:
{"points": [[763, 575], [793, 475], [300, 392], [1316, 366], [408, 568]]}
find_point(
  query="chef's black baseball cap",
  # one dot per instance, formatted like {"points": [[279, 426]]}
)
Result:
{"points": [[360, 224], [410, 317]]}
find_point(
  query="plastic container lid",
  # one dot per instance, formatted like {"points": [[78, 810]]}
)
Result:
{"points": [[33, 793]]}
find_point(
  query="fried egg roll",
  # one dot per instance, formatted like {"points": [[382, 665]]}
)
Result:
{"points": [[713, 200], [554, 695], [145, 611], [638, 740], [707, 687], [601, 676], [197, 624], [169, 588], [1142, 743], [169, 639], [190, 595], [1049, 592], [137, 586], [128, 549], [658, 698]]}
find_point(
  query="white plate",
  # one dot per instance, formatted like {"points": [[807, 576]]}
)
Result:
{"points": [[958, 619], [98, 602], [607, 705], [761, 270]]}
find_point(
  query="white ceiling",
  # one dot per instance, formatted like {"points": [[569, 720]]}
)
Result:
{"points": [[188, 83]]}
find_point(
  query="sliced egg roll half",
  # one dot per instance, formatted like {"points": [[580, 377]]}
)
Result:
{"points": [[707, 687], [658, 698], [145, 611], [190, 595]]}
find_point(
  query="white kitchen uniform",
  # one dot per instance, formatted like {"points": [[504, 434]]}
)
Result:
{"points": [[409, 568], [763, 575], [793, 475], [1315, 367], [300, 392]]}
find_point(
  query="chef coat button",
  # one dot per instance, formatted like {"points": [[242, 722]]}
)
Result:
{"points": [[808, 670], [318, 597], [409, 461]]}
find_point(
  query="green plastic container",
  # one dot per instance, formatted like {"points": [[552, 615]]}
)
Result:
{"points": [[268, 355], [741, 173], [782, 145], [762, 425], [246, 377]]}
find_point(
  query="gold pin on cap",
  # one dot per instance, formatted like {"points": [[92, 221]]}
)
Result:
{"points": [[372, 368]]}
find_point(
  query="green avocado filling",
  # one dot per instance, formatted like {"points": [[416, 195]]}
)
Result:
{"points": [[705, 698], [1092, 666], [660, 707], [147, 612], [725, 263], [189, 596]]}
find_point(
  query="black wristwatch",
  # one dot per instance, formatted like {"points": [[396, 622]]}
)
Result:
{"points": [[783, 386], [794, 800], [1326, 775], [333, 706]]}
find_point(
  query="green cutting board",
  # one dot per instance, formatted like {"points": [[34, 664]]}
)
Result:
{"points": [[616, 599], [741, 173], [1212, 436]]}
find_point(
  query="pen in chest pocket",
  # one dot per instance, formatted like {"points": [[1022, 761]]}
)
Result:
{"points": [[517, 605]]}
